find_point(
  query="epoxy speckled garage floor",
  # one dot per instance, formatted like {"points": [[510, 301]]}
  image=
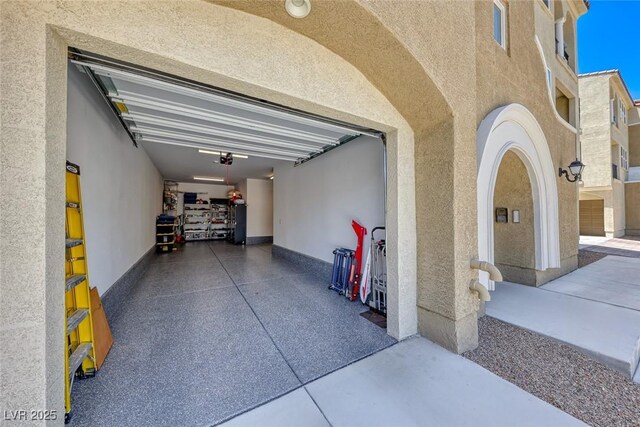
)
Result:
{"points": [[214, 330]]}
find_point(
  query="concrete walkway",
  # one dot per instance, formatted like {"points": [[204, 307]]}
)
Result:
{"points": [[595, 309], [605, 332], [413, 383], [612, 280]]}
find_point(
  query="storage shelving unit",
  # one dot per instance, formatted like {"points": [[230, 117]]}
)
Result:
{"points": [[219, 219], [166, 233], [197, 221], [170, 198]]}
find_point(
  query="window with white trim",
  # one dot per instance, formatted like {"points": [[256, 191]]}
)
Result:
{"points": [[499, 23], [624, 160], [614, 110], [623, 111]]}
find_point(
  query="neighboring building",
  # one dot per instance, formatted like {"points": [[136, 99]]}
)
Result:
{"points": [[607, 117], [477, 101], [632, 185]]}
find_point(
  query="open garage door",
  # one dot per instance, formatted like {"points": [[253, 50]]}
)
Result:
{"points": [[592, 217], [163, 109]]}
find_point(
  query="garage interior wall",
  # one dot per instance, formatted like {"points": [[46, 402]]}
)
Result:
{"points": [[315, 202], [259, 197], [121, 187]]}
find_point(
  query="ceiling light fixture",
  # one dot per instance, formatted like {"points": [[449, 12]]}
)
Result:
{"points": [[205, 178], [218, 153], [298, 8]]}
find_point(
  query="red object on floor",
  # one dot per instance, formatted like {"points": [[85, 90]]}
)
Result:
{"points": [[356, 267]]}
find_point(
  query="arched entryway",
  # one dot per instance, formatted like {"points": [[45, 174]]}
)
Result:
{"points": [[311, 66], [512, 129]]}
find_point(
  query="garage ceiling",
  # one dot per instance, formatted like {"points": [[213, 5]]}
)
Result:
{"points": [[163, 113]]}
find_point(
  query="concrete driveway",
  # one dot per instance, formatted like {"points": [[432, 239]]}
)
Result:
{"points": [[413, 383]]}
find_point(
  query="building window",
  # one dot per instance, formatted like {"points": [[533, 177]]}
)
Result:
{"points": [[499, 23], [547, 3], [614, 110], [623, 112], [624, 161]]}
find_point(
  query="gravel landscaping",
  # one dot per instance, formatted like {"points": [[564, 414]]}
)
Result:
{"points": [[586, 257], [558, 374]]}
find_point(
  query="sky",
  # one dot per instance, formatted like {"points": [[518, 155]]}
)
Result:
{"points": [[609, 37]]}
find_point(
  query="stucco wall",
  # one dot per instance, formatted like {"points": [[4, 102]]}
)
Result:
{"points": [[632, 195], [518, 75], [634, 145], [121, 188], [514, 242], [614, 211], [619, 132], [595, 118]]}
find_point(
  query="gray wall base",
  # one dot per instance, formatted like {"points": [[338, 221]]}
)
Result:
{"points": [[257, 240], [117, 294], [307, 263]]}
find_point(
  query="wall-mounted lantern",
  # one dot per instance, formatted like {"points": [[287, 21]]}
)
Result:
{"points": [[575, 168]]}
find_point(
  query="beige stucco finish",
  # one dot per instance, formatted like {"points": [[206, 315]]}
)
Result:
{"points": [[634, 145], [367, 62], [632, 207], [600, 144], [514, 242], [518, 75]]}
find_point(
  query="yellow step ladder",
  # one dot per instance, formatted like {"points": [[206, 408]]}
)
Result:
{"points": [[79, 347]]}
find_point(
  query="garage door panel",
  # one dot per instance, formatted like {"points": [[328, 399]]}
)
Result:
{"points": [[592, 217]]}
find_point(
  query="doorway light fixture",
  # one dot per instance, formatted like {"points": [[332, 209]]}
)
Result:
{"points": [[218, 153], [575, 168], [298, 8], [206, 178]]}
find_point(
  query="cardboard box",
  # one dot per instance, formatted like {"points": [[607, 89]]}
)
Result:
{"points": [[102, 338]]}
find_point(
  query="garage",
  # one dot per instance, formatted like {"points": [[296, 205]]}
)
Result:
{"points": [[592, 217], [210, 221]]}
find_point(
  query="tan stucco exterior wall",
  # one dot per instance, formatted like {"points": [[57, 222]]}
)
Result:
{"points": [[595, 141], [601, 141], [634, 145], [620, 133], [632, 195], [614, 211], [514, 242], [519, 75]]}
